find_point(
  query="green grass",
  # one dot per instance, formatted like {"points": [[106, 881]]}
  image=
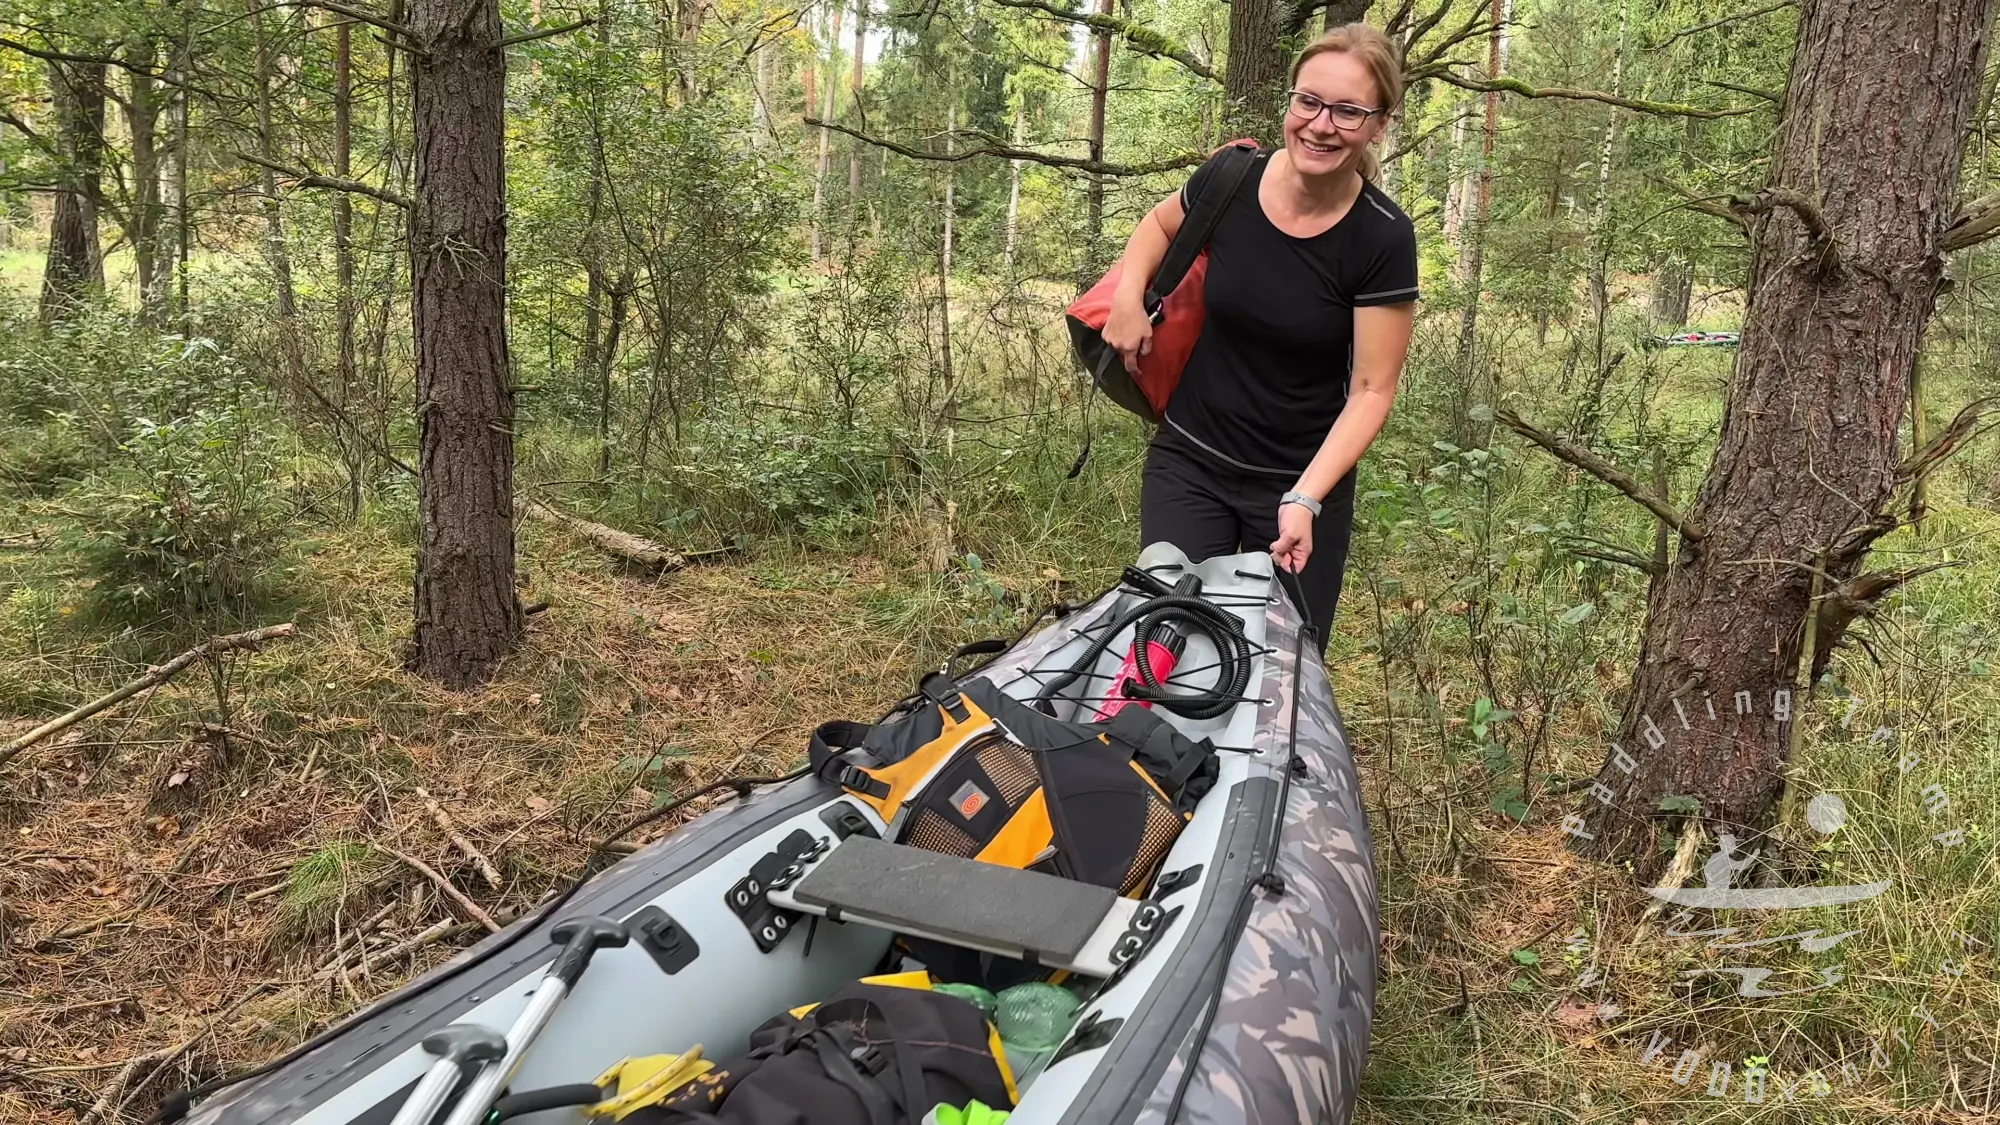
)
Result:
{"points": [[1460, 589]]}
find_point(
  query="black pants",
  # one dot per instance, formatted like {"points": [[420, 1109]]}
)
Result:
{"points": [[1207, 508]]}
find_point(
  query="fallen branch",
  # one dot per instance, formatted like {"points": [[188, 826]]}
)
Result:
{"points": [[444, 884], [1961, 430], [434, 934], [1516, 86], [1772, 198], [1010, 152], [1976, 222], [168, 1057], [1141, 38], [332, 183], [543, 33], [355, 940], [144, 904], [635, 549], [486, 869], [249, 641], [1603, 470], [1622, 558]]}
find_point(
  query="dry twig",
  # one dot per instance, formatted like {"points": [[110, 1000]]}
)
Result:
{"points": [[486, 869], [444, 884], [1603, 470], [249, 641]]}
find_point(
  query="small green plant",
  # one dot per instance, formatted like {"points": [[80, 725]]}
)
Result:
{"points": [[195, 527], [323, 885]]}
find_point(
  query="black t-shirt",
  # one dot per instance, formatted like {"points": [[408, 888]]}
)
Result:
{"points": [[1269, 373]]}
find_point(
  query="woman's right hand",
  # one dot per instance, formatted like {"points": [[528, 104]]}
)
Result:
{"points": [[1129, 330]]}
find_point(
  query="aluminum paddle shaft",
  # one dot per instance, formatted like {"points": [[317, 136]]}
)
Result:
{"points": [[458, 1047], [580, 939]]}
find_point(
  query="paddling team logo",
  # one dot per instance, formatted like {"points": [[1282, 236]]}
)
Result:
{"points": [[1730, 954]]}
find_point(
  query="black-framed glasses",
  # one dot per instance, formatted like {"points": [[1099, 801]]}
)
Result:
{"points": [[1344, 115]]}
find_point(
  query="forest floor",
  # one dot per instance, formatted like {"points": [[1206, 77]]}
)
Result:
{"points": [[176, 894], [202, 877]]}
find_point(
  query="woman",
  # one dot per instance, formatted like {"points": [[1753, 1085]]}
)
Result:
{"points": [[1311, 291]]}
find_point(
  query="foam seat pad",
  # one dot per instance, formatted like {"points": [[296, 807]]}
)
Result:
{"points": [[944, 896]]}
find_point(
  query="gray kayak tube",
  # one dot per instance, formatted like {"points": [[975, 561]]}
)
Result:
{"points": [[1248, 1003]]}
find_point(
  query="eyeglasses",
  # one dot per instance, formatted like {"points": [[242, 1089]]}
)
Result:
{"points": [[1344, 115]]}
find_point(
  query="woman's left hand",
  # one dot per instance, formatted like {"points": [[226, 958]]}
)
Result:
{"points": [[1295, 537]]}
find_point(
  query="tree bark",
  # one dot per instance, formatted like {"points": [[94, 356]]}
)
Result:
{"points": [[467, 616], [1673, 292], [343, 256], [1254, 84], [142, 115], [854, 104], [1472, 258], [1806, 463], [183, 207], [1014, 192], [825, 158], [75, 262], [276, 253], [1100, 94]]}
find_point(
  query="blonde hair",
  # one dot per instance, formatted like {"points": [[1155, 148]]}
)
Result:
{"points": [[1384, 61]]}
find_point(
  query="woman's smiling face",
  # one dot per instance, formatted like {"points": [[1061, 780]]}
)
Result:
{"points": [[1318, 147]]}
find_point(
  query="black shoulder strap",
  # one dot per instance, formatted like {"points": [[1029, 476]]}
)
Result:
{"points": [[1232, 165]]}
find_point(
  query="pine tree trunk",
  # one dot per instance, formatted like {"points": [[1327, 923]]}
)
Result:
{"points": [[142, 115], [1254, 84], [1673, 292], [345, 360], [75, 263], [183, 207], [824, 161], [1100, 92], [1014, 192], [1806, 462], [1473, 254], [467, 615], [854, 102], [276, 254]]}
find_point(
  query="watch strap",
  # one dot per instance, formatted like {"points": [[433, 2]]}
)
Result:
{"points": [[1302, 500]]}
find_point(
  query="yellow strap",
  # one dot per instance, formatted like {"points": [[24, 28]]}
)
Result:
{"points": [[908, 777], [646, 1080]]}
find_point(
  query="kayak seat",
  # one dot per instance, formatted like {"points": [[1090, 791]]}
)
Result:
{"points": [[1060, 923]]}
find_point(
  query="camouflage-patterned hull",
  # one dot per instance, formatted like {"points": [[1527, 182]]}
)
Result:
{"points": [[1266, 978]]}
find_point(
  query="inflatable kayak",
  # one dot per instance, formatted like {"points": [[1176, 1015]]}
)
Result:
{"points": [[1233, 982]]}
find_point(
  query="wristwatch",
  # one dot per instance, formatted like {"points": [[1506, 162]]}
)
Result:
{"points": [[1302, 500]]}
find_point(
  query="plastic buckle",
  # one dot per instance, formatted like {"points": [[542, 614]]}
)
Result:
{"points": [[945, 695], [853, 777], [869, 1059]]}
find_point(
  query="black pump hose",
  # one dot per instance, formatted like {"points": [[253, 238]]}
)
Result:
{"points": [[1235, 656]]}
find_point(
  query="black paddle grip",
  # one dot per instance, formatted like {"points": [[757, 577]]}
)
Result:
{"points": [[581, 938]]}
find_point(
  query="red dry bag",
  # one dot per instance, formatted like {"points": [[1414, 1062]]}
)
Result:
{"points": [[1173, 300]]}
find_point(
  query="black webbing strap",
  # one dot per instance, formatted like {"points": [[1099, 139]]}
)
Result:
{"points": [[824, 749], [1232, 165], [1138, 727]]}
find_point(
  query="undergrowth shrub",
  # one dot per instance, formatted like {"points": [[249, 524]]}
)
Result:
{"points": [[189, 525], [172, 450], [767, 475]]}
